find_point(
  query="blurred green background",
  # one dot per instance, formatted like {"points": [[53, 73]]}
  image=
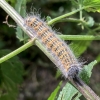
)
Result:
{"points": [[40, 73]]}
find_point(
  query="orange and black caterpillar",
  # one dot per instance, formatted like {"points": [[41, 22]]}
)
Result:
{"points": [[63, 55]]}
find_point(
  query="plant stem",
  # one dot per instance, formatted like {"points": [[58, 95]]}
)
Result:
{"points": [[72, 20], [41, 47], [30, 43], [19, 20], [79, 37], [80, 6], [85, 90], [63, 16], [16, 17], [98, 28], [17, 51]]}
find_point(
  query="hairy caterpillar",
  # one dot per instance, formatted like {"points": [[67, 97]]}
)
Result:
{"points": [[63, 55]]}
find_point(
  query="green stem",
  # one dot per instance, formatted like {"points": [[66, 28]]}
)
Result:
{"points": [[63, 16], [30, 43], [80, 6], [41, 47], [20, 22], [97, 24], [98, 28], [77, 21], [79, 37], [72, 20], [17, 51]]}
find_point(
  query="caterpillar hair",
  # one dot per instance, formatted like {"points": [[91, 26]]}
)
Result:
{"points": [[65, 60]]}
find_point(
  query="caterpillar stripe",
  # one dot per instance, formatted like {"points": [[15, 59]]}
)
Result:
{"points": [[63, 55]]}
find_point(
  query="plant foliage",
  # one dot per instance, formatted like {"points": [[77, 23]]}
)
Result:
{"points": [[69, 91], [11, 71], [11, 74]]}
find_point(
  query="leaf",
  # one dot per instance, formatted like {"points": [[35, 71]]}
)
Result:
{"points": [[74, 3], [79, 47], [90, 22], [94, 5], [21, 9], [54, 93], [20, 34], [58, 74], [77, 97], [87, 71], [11, 75], [68, 92], [48, 18], [80, 1], [9, 89], [12, 2], [98, 58]]}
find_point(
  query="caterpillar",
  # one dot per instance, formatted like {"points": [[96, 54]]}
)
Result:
{"points": [[65, 60]]}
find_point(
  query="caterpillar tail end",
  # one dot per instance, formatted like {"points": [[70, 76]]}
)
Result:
{"points": [[73, 71], [73, 74]]}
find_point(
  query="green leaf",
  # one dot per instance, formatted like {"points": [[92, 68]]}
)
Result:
{"points": [[90, 21], [68, 92], [98, 58], [58, 74], [9, 88], [77, 97], [87, 71], [12, 2], [79, 47], [21, 9], [74, 3], [48, 18], [94, 5], [20, 34], [54, 93], [11, 75], [80, 1]]}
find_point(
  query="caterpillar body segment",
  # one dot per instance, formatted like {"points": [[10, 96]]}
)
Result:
{"points": [[63, 55]]}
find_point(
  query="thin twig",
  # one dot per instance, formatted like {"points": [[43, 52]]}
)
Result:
{"points": [[79, 37], [17, 51], [65, 15], [84, 89], [6, 22]]}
